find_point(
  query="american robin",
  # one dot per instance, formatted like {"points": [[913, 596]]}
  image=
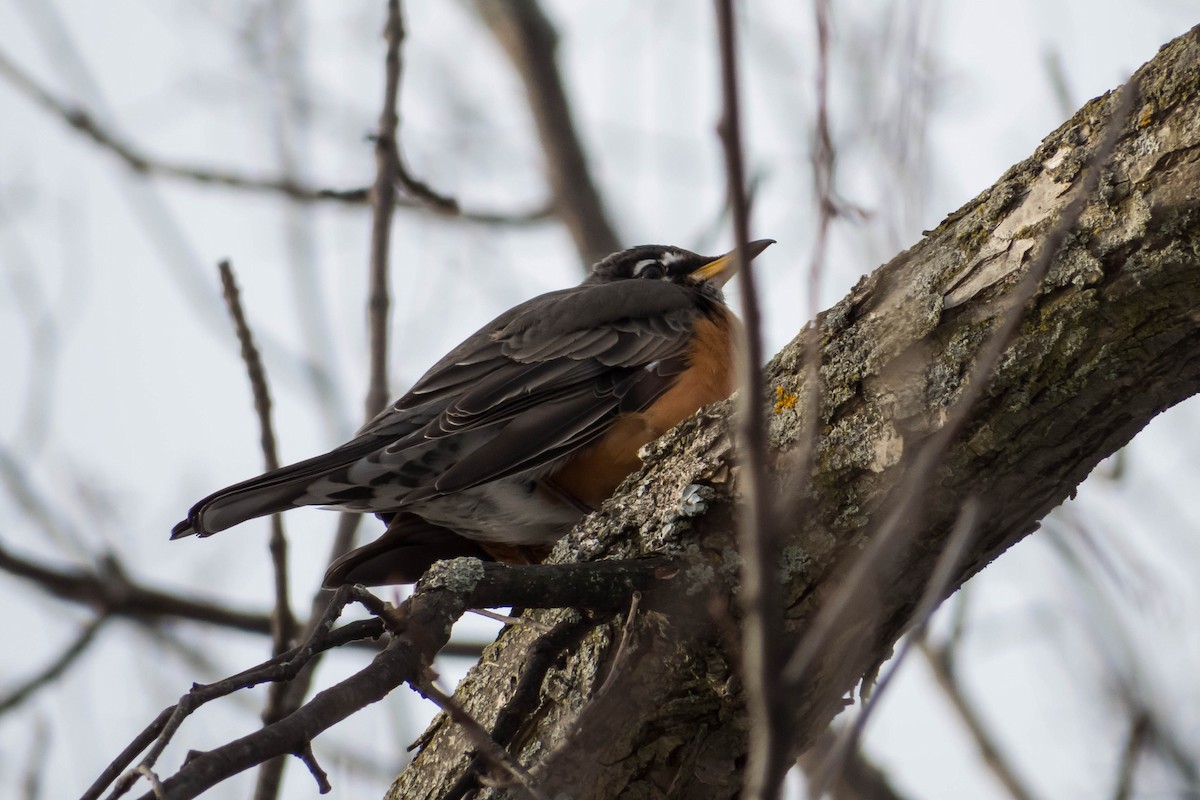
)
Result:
{"points": [[501, 447]]}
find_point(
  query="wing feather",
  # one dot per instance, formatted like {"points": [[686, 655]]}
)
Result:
{"points": [[538, 382]]}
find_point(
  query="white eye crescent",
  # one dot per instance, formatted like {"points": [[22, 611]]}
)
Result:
{"points": [[648, 268]]}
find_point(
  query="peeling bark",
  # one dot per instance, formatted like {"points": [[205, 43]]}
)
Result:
{"points": [[1112, 339]]}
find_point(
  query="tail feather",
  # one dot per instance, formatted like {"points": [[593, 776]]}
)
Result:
{"points": [[270, 492], [401, 555]]}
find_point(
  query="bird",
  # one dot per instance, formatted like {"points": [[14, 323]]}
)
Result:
{"points": [[528, 425]]}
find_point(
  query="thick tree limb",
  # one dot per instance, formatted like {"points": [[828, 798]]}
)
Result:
{"points": [[1110, 340]]}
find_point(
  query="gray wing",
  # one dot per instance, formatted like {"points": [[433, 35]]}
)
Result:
{"points": [[543, 381], [537, 383]]}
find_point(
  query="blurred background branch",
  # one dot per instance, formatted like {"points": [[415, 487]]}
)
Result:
{"points": [[241, 129]]}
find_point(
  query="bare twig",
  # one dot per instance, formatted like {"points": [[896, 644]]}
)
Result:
{"points": [[41, 512], [277, 669], [623, 647], [280, 668], [505, 619], [481, 740], [841, 754], [760, 594], [1060, 85], [823, 160], [942, 662], [155, 784], [389, 127], [86, 123], [420, 629], [309, 759], [530, 41], [1118, 647], [111, 592], [283, 622], [35, 766], [383, 200], [1139, 729], [859, 780], [56, 668], [42, 317], [526, 696], [387, 165]]}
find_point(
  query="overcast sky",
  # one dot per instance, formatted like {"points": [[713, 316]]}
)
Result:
{"points": [[122, 397]]}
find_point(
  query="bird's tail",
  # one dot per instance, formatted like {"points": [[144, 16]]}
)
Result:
{"points": [[277, 490], [401, 555]]}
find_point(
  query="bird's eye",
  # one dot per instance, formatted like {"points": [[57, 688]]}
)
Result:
{"points": [[650, 269]]}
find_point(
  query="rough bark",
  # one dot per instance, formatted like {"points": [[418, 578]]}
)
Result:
{"points": [[1111, 339]]}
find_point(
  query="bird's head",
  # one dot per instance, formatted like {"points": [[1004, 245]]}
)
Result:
{"points": [[656, 262]]}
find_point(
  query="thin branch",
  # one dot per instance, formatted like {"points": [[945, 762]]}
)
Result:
{"points": [[383, 200], [35, 767], [414, 187], [387, 165], [280, 668], [1139, 730], [111, 592], [41, 512], [480, 739], [529, 40], [283, 623], [440, 598], [309, 758], [70, 654], [859, 780], [1060, 85], [420, 628], [526, 697], [760, 594], [275, 669], [823, 166], [942, 578], [823, 169], [624, 647], [86, 123], [942, 662]]}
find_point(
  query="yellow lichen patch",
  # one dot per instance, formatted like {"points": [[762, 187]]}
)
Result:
{"points": [[784, 400], [1146, 116]]}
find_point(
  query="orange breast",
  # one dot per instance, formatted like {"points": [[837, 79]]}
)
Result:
{"points": [[592, 474]]}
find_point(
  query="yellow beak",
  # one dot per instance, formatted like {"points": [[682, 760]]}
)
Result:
{"points": [[720, 269]]}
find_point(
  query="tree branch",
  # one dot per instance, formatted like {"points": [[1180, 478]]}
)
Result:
{"points": [[941, 661], [111, 592], [81, 120], [420, 627], [283, 623], [530, 41], [70, 654], [758, 540]]}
